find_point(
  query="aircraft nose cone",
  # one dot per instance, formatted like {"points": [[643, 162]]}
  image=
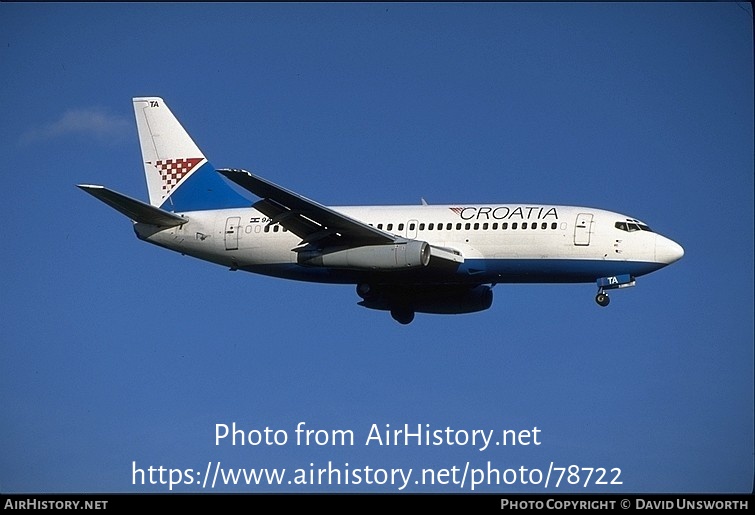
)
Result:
{"points": [[667, 251]]}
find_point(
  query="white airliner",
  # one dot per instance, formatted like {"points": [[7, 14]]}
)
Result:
{"points": [[404, 259]]}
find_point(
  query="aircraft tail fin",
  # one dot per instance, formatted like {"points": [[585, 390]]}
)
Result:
{"points": [[179, 177]]}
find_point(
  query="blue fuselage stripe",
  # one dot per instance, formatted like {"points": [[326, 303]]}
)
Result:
{"points": [[474, 271]]}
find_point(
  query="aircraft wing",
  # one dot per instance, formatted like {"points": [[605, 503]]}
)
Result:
{"points": [[318, 224], [309, 220]]}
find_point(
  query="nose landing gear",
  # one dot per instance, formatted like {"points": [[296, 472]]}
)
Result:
{"points": [[612, 283]]}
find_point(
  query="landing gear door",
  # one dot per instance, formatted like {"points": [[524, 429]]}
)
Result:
{"points": [[583, 229], [232, 233]]}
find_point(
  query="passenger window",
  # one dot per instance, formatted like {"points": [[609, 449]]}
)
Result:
{"points": [[458, 226], [380, 226], [476, 226], [389, 227], [429, 227], [524, 225], [495, 226], [485, 226], [544, 226], [504, 226], [554, 225], [400, 227], [513, 225], [449, 226]]}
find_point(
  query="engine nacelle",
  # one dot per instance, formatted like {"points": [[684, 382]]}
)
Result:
{"points": [[442, 300], [396, 256]]}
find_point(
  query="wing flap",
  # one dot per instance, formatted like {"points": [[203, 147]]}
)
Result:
{"points": [[297, 224]]}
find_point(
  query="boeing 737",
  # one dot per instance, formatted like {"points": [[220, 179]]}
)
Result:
{"points": [[442, 259]]}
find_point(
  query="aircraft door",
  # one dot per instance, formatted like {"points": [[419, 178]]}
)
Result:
{"points": [[583, 229], [232, 233]]}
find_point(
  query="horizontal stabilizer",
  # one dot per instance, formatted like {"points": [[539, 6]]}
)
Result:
{"points": [[136, 210]]}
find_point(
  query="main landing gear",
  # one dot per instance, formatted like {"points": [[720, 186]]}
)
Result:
{"points": [[611, 283]]}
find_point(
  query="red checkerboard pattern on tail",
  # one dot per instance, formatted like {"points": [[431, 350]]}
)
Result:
{"points": [[173, 170]]}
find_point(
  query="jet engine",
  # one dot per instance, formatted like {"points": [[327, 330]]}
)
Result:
{"points": [[394, 256]]}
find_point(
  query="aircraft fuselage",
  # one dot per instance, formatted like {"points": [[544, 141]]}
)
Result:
{"points": [[499, 243]]}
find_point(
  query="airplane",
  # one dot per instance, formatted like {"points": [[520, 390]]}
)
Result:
{"points": [[439, 259]]}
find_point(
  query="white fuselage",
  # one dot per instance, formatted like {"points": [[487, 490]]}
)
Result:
{"points": [[499, 243]]}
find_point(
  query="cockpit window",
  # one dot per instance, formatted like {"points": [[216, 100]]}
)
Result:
{"points": [[632, 225]]}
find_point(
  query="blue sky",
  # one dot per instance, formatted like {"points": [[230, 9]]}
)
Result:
{"points": [[115, 352]]}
